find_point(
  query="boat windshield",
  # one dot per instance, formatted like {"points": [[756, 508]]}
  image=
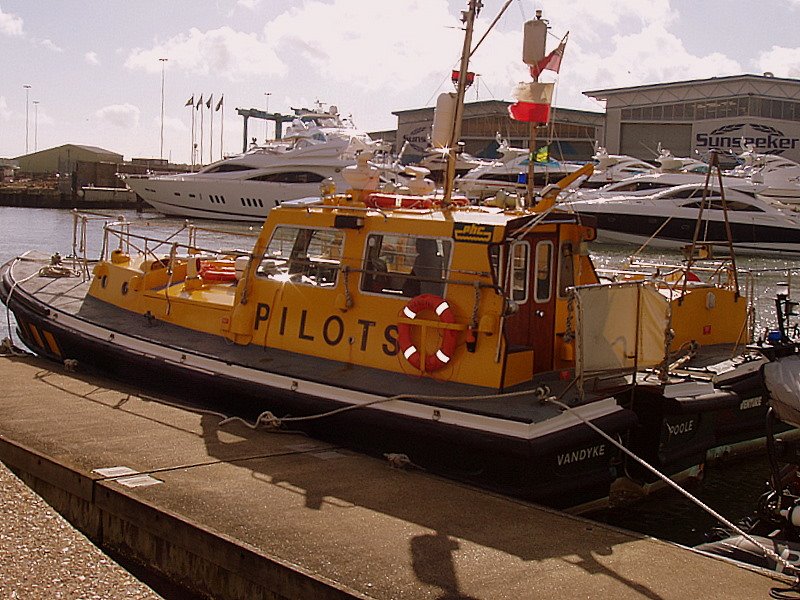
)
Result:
{"points": [[303, 255], [406, 265]]}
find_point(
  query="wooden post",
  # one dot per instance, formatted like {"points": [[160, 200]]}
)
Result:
{"points": [[530, 193]]}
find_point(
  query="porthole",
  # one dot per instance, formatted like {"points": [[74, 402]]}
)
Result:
{"points": [[104, 281], [124, 288]]}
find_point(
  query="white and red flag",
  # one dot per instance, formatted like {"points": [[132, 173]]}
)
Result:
{"points": [[532, 102]]}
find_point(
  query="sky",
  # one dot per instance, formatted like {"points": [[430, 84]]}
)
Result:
{"points": [[95, 76]]}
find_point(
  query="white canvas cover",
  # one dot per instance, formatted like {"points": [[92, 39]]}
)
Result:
{"points": [[782, 378], [608, 334]]}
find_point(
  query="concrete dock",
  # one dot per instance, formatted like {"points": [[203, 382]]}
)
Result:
{"points": [[232, 512]]}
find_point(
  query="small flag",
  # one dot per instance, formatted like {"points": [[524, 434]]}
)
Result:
{"points": [[533, 102], [190, 101], [209, 101], [199, 102], [551, 62], [219, 104]]}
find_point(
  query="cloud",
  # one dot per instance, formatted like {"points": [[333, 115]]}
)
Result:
{"points": [[50, 45], [91, 58], [5, 114], [10, 24], [251, 4], [223, 51], [651, 55], [610, 16], [424, 40], [173, 123], [124, 116], [783, 62]]}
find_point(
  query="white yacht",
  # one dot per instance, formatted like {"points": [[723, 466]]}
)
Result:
{"points": [[778, 177], [611, 168], [768, 176], [509, 173], [668, 218], [318, 145]]}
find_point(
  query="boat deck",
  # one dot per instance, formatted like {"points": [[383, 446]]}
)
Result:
{"points": [[243, 513]]}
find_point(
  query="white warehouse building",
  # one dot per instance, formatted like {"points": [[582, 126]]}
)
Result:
{"points": [[690, 117]]}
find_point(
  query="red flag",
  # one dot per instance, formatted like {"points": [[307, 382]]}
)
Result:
{"points": [[533, 102], [529, 112], [551, 62]]}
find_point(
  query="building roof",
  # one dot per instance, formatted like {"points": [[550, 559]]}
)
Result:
{"points": [[92, 149], [473, 109], [766, 78]]}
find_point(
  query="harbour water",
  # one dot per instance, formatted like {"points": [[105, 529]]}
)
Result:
{"points": [[731, 488]]}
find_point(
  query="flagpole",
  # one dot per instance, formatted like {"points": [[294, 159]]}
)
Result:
{"points": [[531, 162], [221, 126], [202, 133], [192, 148], [211, 132]]}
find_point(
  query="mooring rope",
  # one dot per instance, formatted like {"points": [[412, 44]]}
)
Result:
{"points": [[767, 551]]}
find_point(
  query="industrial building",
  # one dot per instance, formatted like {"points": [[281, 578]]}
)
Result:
{"points": [[63, 159], [694, 116], [570, 135]]}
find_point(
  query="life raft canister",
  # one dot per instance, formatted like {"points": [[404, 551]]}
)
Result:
{"points": [[218, 271], [389, 201], [435, 360]]}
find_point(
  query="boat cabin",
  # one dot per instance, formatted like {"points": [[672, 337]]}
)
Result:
{"points": [[465, 294]]}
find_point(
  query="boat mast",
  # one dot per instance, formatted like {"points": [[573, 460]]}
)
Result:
{"points": [[468, 18]]}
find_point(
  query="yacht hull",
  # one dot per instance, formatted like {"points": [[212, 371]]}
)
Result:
{"points": [[232, 200], [663, 231]]}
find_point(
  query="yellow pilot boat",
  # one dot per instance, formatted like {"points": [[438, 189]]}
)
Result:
{"points": [[435, 330]]}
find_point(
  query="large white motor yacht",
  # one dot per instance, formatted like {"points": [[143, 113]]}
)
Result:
{"points": [[668, 217], [318, 145]]}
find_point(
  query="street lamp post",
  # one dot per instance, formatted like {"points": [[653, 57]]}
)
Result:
{"points": [[266, 121], [35, 125], [163, 64], [27, 95]]}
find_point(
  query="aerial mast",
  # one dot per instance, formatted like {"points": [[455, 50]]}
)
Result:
{"points": [[468, 18]]}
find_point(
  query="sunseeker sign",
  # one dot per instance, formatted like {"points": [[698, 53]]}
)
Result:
{"points": [[418, 138], [765, 138]]}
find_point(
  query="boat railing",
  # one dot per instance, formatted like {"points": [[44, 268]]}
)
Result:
{"points": [[118, 234]]}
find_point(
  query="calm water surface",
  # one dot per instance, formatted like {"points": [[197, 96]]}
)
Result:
{"points": [[731, 489]]}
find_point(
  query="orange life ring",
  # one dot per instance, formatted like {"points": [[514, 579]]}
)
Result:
{"points": [[435, 360]]}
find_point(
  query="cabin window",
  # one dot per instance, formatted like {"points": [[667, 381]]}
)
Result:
{"points": [[290, 177], [715, 203], [566, 270], [303, 256], [405, 265], [544, 271], [226, 168], [519, 258]]}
